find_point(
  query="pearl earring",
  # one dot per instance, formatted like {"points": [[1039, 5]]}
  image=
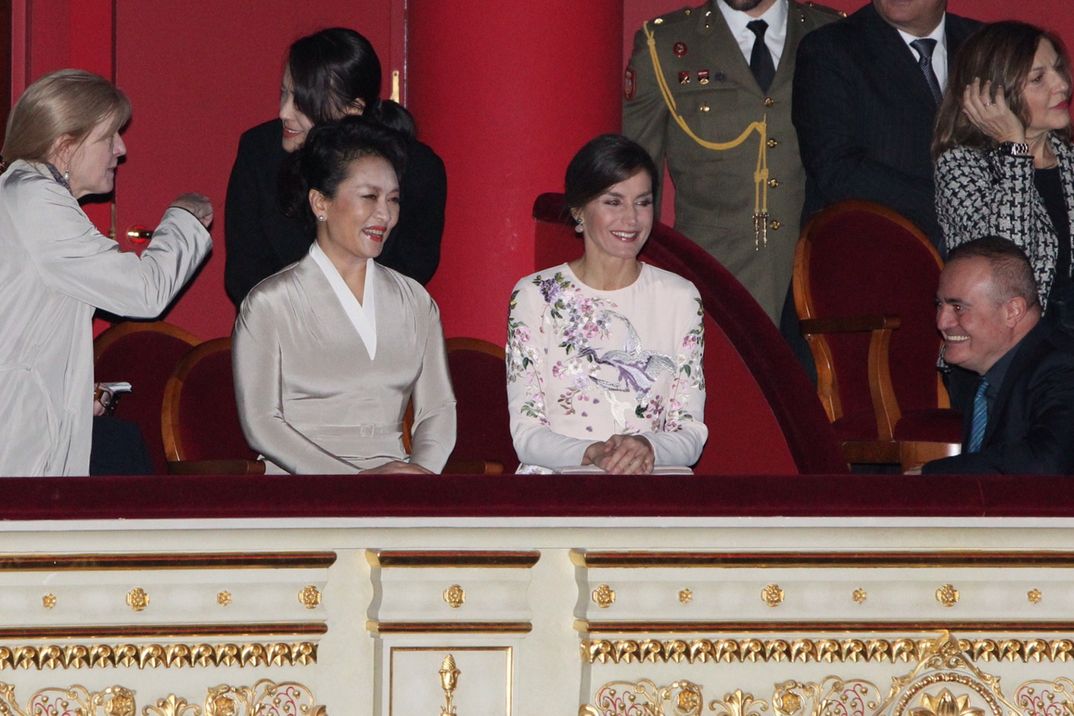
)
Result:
{"points": [[321, 217], [578, 227]]}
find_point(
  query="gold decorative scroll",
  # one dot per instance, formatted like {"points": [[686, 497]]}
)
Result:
{"points": [[157, 656], [619, 698], [263, 698], [834, 651], [943, 682]]}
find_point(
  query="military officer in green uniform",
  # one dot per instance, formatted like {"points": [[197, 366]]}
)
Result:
{"points": [[721, 118]]}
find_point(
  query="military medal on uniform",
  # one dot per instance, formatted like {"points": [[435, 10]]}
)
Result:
{"points": [[760, 174]]}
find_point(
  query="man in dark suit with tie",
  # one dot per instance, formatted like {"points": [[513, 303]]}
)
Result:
{"points": [[866, 90], [1019, 413]]}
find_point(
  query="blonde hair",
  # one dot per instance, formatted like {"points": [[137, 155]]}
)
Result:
{"points": [[62, 103]]}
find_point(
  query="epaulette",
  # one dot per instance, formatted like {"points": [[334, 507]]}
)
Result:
{"points": [[681, 15], [822, 9]]}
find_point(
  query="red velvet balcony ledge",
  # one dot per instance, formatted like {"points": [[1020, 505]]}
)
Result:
{"points": [[192, 497]]}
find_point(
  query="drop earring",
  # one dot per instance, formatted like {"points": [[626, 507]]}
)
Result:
{"points": [[579, 227]]}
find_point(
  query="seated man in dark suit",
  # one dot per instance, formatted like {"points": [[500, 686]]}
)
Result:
{"points": [[1019, 415]]}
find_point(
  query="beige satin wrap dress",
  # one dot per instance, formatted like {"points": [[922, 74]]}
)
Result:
{"points": [[311, 400]]}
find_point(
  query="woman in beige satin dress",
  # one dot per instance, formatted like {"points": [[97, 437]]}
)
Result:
{"points": [[62, 144], [328, 352]]}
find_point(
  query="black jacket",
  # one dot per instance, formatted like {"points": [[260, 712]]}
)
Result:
{"points": [[1031, 424], [864, 116], [260, 240]]}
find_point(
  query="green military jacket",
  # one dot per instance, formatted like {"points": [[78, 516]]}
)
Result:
{"points": [[718, 98]]}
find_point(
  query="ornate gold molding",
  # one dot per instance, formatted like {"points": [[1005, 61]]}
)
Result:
{"points": [[263, 697], [790, 626], [157, 656], [835, 651], [943, 682], [681, 698], [142, 562]]}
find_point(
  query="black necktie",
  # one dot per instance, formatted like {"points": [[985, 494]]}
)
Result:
{"points": [[761, 64], [924, 50]]}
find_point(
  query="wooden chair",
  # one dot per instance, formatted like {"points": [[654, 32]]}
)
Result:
{"points": [[200, 420], [864, 282], [478, 373], [143, 354], [761, 410], [479, 380]]}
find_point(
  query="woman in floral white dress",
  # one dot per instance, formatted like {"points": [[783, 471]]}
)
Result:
{"points": [[604, 352]]}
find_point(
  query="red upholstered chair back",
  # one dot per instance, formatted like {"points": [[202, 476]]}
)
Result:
{"points": [[143, 354], [761, 410], [479, 377], [201, 419], [857, 258]]}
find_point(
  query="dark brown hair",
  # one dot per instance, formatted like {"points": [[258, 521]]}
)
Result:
{"points": [[1001, 53], [602, 162]]}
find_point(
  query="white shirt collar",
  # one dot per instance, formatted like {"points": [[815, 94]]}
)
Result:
{"points": [[774, 37], [363, 316], [939, 53]]}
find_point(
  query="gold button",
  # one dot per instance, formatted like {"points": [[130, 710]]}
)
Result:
{"points": [[769, 102], [703, 107], [688, 11], [773, 183], [775, 224], [772, 143], [658, 21]]}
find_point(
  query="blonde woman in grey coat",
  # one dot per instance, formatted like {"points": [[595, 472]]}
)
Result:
{"points": [[62, 144]]}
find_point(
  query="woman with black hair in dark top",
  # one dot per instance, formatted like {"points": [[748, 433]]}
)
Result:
{"points": [[330, 74]]}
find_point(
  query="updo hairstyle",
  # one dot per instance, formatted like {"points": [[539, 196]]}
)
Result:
{"points": [[602, 162], [323, 161]]}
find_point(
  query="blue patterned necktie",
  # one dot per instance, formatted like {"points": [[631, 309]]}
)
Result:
{"points": [[924, 50], [980, 418]]}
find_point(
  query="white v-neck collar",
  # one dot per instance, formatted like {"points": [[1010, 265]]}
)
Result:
{"points": [[363, 316]]}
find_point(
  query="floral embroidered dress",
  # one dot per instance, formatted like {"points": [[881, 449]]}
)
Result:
{"points": [[584, 364]]}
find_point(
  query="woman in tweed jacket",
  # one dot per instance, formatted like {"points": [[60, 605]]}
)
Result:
{"points": [[1004, 161]]}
